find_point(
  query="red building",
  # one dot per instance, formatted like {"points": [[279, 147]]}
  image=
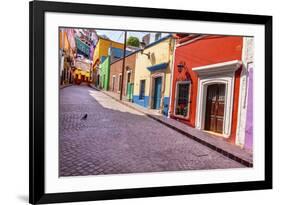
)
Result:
{"points": [[206, 80]]}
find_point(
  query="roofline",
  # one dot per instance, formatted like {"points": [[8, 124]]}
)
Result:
{"points": [[194, 39], [148, 46], [126, 56], [109, 40], [158, 41]]}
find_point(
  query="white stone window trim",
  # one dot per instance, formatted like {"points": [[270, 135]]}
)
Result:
{"points": [[119, 79], [214, 74], [176, 98]]}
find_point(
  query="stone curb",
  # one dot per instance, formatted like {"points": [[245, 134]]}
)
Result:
{"points": [[203, 142]]}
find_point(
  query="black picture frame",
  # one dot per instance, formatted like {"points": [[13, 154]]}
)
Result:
{"points": [[37, 10]]}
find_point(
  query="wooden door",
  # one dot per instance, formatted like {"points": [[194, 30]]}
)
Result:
{"points": [[215, 108]]}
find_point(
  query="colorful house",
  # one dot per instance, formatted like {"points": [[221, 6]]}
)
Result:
{"points": [[129, 75], [104, 73], [206, 83], [81, 72], [67, 55], [244, 132], [101, 52], [153, 75]]}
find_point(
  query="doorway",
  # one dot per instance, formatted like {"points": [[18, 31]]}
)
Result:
{"points": [[128, 81], [215, 103], [157, 92]]}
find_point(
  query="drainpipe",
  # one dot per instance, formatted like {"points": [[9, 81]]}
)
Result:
{"points": [[123, 65]]}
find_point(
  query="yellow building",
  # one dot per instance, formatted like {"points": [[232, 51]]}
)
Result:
{"points": [[81, 76], [82, 72], [153, 75], [101, 50], [100, 54]]}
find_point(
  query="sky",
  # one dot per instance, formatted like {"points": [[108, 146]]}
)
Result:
{"points": [[118, 36]]}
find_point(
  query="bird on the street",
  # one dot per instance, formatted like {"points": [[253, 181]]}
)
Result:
{"points": [[84, 117]]}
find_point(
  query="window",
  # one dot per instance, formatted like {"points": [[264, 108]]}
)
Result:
{"points": [[142, 89], [182, 99], [113, 82]]}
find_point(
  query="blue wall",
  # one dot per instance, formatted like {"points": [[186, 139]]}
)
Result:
{"points": [[166, 105], [118, 53], [143, 102], [102, 59]]}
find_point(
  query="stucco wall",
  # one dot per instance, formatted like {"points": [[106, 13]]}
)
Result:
{"points": [[205, 51], [116, 69], [160, 52], [104, 73], [245, 124], [102, 48], [64, 43]]}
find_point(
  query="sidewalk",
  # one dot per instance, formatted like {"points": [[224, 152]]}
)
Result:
{"points": [[217, 144]]}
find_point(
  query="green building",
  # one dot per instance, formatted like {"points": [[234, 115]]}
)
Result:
{"points": [[105, 73]]}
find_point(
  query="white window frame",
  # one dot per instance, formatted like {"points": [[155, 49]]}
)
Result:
{"points": [[176, 98]]}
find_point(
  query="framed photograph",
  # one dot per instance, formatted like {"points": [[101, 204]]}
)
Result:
{"points": [[130, 102]]}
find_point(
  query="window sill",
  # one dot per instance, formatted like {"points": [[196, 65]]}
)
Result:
{"points": [[181, 117]]}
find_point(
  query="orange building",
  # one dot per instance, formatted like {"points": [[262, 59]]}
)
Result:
{"points": [[67, 56]]}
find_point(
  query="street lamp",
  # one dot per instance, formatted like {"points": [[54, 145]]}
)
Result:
{"points": [[181, 66], [142, 44]]}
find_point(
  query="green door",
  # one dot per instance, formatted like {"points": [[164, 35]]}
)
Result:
{"points": [[130, 88]]}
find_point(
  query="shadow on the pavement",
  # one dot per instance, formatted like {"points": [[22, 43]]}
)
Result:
{"points": [[122, 138], [108, 102]]}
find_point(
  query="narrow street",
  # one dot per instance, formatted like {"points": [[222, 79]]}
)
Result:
{"points": [[117, 139]]}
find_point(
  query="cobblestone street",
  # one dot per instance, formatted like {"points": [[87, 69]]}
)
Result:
{"points": [[117, 139]]}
